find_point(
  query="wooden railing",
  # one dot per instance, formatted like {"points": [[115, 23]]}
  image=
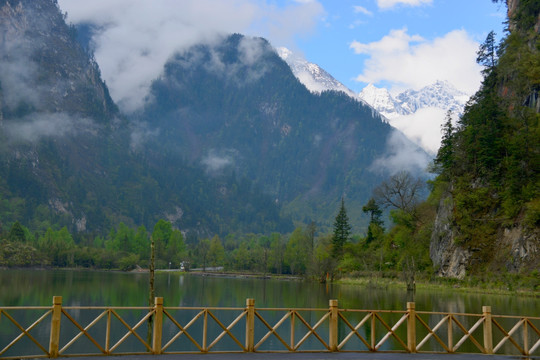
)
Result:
{"points": [[76, 330]]}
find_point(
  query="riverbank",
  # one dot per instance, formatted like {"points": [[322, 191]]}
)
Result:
{"points": [[496, 286]]}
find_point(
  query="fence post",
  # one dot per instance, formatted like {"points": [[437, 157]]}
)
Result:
{"points": [[55, 326], [158, 325], [333, 331], [411, 327], [525, 338], [488, 332], [250, 325]]}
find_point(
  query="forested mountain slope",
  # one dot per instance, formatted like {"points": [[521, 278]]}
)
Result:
{"points": [[236, 108], [489, 183], [67, 155], [229, 140]]}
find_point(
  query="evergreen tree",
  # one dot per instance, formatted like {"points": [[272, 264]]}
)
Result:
{"points": [[342, 232], [16, 233], [374, 211], [487, 53], [445, 156], [375, 223]]}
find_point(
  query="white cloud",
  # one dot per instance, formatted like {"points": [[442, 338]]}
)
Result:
{"points": [[216, 161], [387, 4], [136, 37], [400, 155], [45, 125], [410, 61], [423, 127], [362, 10]]}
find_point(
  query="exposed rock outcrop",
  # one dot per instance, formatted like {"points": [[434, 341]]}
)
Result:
{"points": [[524, 248], [517, 249], [449, 259]]}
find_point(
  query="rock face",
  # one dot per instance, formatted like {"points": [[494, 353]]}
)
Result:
{"points": [[517, 247], [43, 68], [449, 258], [524, 248]]}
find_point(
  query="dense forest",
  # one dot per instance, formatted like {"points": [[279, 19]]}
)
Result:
{"points": [[488, 164]]}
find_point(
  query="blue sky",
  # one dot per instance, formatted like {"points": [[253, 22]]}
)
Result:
{"points": [[367, 22], [397, 44]]}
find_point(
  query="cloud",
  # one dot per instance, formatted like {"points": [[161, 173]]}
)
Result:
{"points": [[423, 127], [362, 10], [410, 61], [387, 4], [18, 74], [134, 38], [400, 155], [216, 161], [140, 134], [42, 125]]}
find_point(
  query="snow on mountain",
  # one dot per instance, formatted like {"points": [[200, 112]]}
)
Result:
{"points": [[381, 100], [418, 113], [312, 75], [441, 95]]}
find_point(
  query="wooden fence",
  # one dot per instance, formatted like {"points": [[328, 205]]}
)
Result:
{"points": [[61, 331]]}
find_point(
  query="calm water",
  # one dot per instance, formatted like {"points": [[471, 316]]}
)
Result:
{"points": [[33, 287], [89, 288]]}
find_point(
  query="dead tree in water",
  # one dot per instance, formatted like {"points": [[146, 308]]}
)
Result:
{"points": [[410, 273]]}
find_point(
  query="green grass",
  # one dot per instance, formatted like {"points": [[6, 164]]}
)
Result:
{"points": [[502, 284]]}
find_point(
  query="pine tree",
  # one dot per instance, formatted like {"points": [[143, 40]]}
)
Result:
{"points": [[342, 231], [444, 161], [16, 233], [375, 222], [487, 53]]}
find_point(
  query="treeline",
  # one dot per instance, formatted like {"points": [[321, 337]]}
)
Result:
{"points": [[304, 252]]}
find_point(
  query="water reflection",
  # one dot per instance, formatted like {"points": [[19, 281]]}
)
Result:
{"points": [[31, 287], [84, 288]]}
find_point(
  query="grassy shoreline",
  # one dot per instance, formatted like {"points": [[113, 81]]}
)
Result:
{"points": [[469, 285]]}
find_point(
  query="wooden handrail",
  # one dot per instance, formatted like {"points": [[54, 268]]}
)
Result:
{"points": [[375, 330]]}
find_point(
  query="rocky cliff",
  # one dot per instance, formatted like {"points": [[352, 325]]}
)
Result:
{"points": [[43, 68], [488, 219], [517, 248]]}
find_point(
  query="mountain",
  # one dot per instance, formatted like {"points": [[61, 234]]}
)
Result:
{"points": [[382, 101], [417, 114], [441, 94], [251, 118], [314, 78], [228, 141], [68, 157]]}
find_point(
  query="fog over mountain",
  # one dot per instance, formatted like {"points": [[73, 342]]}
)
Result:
{"points": [[227, 138]]}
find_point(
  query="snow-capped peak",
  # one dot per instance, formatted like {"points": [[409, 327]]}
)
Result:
{"points": [[441, 94], [419, 114], [382, 101], [314, 78]]}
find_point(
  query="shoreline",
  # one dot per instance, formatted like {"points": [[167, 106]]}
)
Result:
{"points": [[479, 287], [423, 285]]}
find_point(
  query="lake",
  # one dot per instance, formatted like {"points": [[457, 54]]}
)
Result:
{"points": [[96, 288]]}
